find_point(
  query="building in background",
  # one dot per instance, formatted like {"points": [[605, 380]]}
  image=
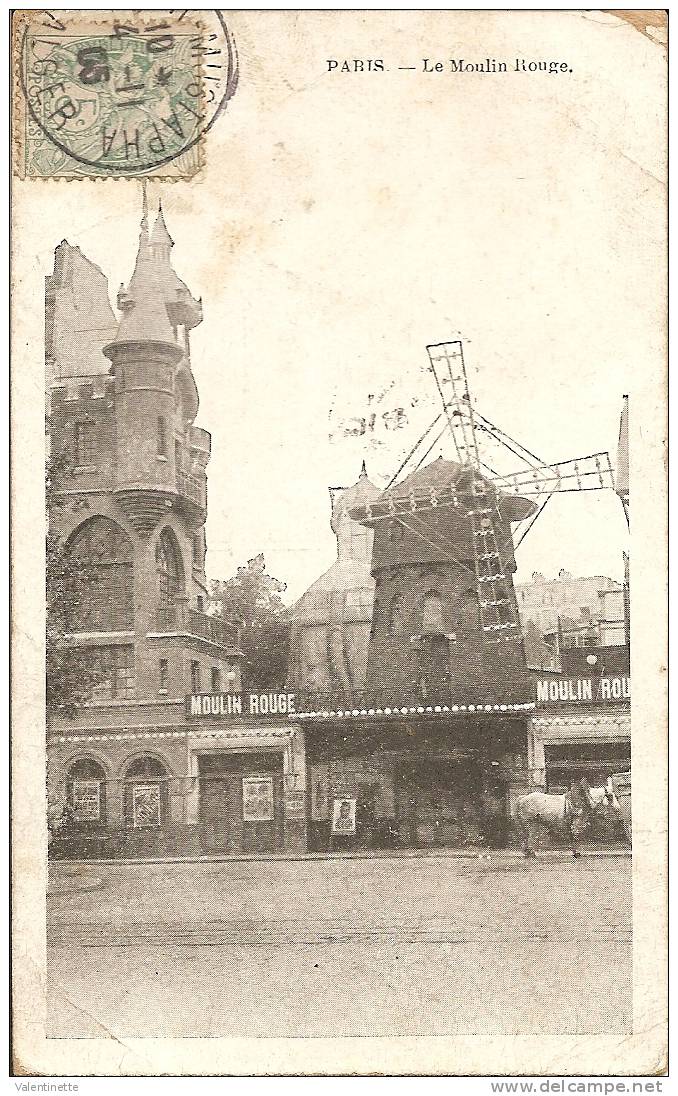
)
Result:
{"points": [[569, 611], [330, 623], [134, 770]]}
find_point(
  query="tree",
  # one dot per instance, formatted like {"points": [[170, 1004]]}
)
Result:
{"points": [[252, 598], [68, 677]]}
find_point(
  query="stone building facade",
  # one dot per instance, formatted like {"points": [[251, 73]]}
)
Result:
{"points": [[129, 772]]}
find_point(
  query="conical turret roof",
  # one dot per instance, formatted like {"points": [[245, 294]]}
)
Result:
{"points": [[160, 237], [156, 299]]}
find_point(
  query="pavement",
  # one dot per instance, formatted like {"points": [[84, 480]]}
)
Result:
{"points": [[418, 945]]}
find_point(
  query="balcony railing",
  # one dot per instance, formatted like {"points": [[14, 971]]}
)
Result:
{"points": [[179, 618], [191, 487]]}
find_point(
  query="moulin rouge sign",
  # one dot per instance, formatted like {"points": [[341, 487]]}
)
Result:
{"points": [[226, 705], [583, 690]]}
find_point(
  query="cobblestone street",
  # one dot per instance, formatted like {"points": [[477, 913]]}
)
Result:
{"points": [[424, 945]]}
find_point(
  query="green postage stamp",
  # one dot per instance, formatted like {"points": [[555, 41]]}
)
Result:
{"points": [[119, 94]]}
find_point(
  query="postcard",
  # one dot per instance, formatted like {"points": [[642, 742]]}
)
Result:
{"points": [[339, 349]]}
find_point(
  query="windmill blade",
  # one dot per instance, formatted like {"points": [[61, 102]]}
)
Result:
{"points": [[449, 370], [591, 473]]}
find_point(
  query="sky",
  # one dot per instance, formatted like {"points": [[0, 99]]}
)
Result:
{"points": [[344, 221]]}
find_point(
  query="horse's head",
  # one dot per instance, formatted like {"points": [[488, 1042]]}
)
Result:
{"points": [[604, 800]]}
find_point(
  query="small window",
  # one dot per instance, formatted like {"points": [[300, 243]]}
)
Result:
{"points": [[200, 602], [164, 675], [216, 679], [178, 456], [162, 437], [432, 617], [585, 612], [397, 531], [195, 677], [395, 621], [112, 672], [85, 444]]}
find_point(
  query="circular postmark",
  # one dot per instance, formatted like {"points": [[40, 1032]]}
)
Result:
{"points": [[129, 93]]}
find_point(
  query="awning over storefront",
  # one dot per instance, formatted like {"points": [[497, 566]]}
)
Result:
{"points": [[605, 726]]}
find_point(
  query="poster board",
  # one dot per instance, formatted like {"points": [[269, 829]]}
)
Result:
{"points": [[146, 805], [343, 817], [86, 800], [257, 799]]}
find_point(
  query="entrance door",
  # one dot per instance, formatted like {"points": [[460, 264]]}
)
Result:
{"points": [[439, 802], [219, 815], [366, 814], [241, 803]]}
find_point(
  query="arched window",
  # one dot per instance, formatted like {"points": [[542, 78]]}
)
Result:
{"points": [[170, 569], [468, 610], [395, 618], [86, 791], [146, 793], [434, 665], [100, 583], [432, 616]]}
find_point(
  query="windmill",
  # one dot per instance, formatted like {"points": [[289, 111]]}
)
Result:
{"points": [[522, 493]]}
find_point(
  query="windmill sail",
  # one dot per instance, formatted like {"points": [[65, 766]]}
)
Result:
{"points": [[497, 468], [622, 477]]}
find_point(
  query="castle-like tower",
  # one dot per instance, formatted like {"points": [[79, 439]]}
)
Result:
{"points": [[428, 642], [131, 477]]}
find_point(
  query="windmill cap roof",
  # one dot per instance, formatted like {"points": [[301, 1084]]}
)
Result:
{"points": [[437, 477], [346, 498]]}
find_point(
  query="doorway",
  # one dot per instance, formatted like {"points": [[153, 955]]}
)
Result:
{"points": [[439, 801], [241, 803]]}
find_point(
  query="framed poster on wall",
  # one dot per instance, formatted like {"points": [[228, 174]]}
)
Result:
{"points": [[146, 804], [343, 816], [257, 798], [86, 800]]}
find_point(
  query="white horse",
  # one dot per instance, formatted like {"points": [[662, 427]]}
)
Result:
{"points": [[570, 814]]}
